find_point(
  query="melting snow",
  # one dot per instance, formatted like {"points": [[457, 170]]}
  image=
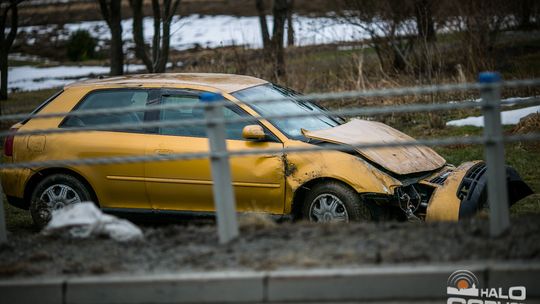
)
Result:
{"points": [[511, 117], [29, 78], [186, 32], [212, 31]]}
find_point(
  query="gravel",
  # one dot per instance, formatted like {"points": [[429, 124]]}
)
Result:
{"points": [[265, 245]]}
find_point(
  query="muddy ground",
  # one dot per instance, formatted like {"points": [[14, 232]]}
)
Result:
{"points": [[264, 245]]}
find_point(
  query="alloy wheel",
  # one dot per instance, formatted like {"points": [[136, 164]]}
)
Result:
{"points": [[328, 208]]}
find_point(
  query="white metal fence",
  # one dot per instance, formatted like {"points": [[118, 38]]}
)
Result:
{"points": [[493, 139]]}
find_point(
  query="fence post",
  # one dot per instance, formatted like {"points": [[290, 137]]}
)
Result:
{"points": [[499, 219], [223, 191], [3, 229]]}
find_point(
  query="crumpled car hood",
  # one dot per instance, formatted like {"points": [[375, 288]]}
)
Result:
{"points": [[400, 160]]}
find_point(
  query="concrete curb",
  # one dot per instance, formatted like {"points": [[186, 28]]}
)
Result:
{"points": [[378, 283], [214, 287]]}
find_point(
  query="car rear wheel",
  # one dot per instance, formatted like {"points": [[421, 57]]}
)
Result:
{"points": [[55, 192], [334, 202]]}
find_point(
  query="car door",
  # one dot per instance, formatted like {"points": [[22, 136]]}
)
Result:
{"points": [[186, 185], [116, 185]]}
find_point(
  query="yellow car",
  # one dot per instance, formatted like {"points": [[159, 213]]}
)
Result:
{"points": [[407, 182]]}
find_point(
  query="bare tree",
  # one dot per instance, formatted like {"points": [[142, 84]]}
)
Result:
{"points": [[279, 10], [526, 12], [483, 22], [112, 13], [385, 21], [261, 10], [290, 27], [7, 7], [155, 59], [273, 46], [424, 20]]}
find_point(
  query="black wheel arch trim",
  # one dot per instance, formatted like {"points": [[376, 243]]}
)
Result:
{"points": [[476, 195]]}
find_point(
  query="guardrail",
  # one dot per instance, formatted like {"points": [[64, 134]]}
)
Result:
{"points": [[489, 86]]}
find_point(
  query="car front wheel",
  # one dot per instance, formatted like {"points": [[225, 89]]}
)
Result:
{"points": [[334, 202], [55, 192]]}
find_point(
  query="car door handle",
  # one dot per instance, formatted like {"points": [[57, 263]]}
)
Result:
{"points": [[163, 151]]}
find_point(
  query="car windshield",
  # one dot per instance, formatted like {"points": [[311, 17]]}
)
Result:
{"points": [[287, 105]]}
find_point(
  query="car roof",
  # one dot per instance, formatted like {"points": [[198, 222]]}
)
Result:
{"points": [[224, 82]]}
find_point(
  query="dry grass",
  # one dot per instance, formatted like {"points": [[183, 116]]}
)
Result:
{"points": [[255, 221], [528, 124]]}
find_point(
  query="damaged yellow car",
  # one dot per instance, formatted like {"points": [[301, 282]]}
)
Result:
{"points": [[407, 182]]}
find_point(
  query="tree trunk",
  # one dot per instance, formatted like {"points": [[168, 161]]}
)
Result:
{"points": [[138, 38], [4, 75], [280, 15], [259, 4], [169, 9], [117, 51], [398, 61], [525, 13], [157, 34], [156, 62], [424, 20], [111, 10], [290, 27], [6, 43]]}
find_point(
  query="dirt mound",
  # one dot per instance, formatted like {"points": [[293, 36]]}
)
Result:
{"points": [[264, 246], [528, 124]]}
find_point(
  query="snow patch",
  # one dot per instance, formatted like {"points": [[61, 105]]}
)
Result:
{"points": [[507, 102], [29, 78], [511, 117], [211, 31]]}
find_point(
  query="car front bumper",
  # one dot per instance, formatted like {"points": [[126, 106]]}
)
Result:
{"points": [[464, 192]]}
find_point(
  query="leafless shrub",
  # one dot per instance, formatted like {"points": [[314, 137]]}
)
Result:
{"points": [[478, 25], [387, 22]]}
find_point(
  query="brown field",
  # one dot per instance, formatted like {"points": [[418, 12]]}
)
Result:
{"points": [[89, 10]]}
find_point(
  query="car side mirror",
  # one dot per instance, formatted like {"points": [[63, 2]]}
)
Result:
{"points": [[253, 132]]}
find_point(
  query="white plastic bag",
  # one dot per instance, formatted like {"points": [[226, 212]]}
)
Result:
{"points": [[85, 220]]}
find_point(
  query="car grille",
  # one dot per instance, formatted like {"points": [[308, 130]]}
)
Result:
{"points": [[440, 179]]}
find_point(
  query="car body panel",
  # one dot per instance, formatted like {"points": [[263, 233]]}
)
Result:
{"points": [[14, 181], [331, 164], [400, 160], [258, 179], [111, 181], [226, 83], [444, 203], [116, 185]]}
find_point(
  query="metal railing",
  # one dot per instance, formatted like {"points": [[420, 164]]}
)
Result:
{"points": [[493, 139]]}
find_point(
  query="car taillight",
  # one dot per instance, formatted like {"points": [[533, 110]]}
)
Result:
{"points": [[8, 143]]}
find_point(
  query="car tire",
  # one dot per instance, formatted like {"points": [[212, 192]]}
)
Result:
{"points": [[54, 192], [334, 202]]}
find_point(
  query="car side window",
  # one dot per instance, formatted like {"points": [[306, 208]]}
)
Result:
{"points": [[189, 111], [186, 111], [110, 99]]}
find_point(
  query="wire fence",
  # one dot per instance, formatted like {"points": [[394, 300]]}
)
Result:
{"points": [[493, 139]]}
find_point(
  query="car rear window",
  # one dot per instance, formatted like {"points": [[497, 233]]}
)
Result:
{"points": [[99, 100]]}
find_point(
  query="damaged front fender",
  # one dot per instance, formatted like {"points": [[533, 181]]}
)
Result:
{"points": [[301, 168]]}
